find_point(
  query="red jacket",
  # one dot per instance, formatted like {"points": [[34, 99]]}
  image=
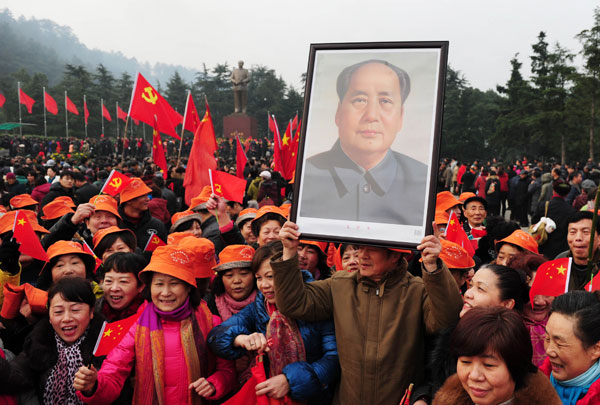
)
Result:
{"points": [[592, 397], [158, 209]]}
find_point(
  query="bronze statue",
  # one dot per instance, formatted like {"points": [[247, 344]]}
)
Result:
{"points": [[240, 78]]}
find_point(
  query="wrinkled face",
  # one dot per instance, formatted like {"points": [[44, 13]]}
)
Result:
{"points": [[66, 181], [264, 281], [269, 232], [139, 203], [68, 266], [69, 319], [117, 246], [475, 213], [247, 232], [484, 291], [540, 309], [350, 260], [374, 262], [371, 113], [308, 257], [238, 283], [578, 238], [100, 220], [506, 252], [568, 357], [485, 378], [120, 289], [168, 293]]}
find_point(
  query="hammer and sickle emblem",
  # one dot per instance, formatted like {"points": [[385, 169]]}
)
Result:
{"points": [[149, 95], [218, 188], [155, 240], [116, 182]]}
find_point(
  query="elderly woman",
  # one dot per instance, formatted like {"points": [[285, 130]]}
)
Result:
{"points": [[517, 242], [57, 346], [573, 348], [167, 344], [303, 360], [493, 363]]}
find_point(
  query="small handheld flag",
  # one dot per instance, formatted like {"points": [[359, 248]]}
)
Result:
{"points": [[111, 335]]}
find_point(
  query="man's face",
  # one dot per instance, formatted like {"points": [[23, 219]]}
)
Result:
{"points": [[475, 213], [374, 262], [578, 238], [577, 179], [66, 181], [370, 114]]}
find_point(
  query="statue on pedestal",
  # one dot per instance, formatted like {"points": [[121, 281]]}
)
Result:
{"points": [[240, 78]]}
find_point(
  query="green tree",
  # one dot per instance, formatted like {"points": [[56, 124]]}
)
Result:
{"points": [[176, 93]]}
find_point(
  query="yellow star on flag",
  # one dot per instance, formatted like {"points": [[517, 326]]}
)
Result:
{"points": [[561, 270], [451, 222], [21, 221], [108, 332], [286, 139]]}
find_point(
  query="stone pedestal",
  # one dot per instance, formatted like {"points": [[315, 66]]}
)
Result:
{"points": [[240, 125]]}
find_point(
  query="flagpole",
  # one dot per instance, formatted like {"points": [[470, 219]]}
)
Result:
{"points": [[45, 132], [20, 121], [187, 101], [124, 137], [66, 117], [117, 119], [84, 120], [102, 114], [591, 252]]}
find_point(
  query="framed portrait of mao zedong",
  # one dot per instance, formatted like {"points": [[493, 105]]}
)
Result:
{"points": [[368, 152]]}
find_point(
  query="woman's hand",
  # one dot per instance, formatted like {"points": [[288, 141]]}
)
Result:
{"points": [[255, 341], [25, 310], [203, 387], [274, 387], [290, 237], [85, 380]]}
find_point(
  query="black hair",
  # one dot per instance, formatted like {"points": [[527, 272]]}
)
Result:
{"points": [[345, 246], [581, 215], [126, 236], [186, 225], [67, 173], [269, 216], [218, 288], [344, 78], [123, 262], [78, 176], [265, 252], [584, 307], [511, 283], [73, 289]]}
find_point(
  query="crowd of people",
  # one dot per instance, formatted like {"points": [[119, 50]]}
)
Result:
{"points": [[226, 302]]}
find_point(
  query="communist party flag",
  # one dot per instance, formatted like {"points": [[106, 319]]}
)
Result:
{"points": [[202, 158], [50, 103], [551, 278], [71, 107], [227, 186], [240, 158], [594, 284], [26, 100], [111, 335], [191, 119], [146, 103], [2, 100], [29, 242], [105, 113], [455, 233], [153, 242], [122, 115], [86, 113], [115, 183], [158, 153]]}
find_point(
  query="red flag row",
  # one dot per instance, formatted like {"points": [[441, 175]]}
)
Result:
{"points": [[285, 150]]}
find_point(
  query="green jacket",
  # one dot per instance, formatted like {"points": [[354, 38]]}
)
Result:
{"points": [[380, 327]]}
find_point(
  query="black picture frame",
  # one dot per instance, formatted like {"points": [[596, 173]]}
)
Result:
{"points": [[328, 204]]}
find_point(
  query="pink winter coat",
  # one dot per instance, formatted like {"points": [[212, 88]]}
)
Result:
{"points": [[119, 362]]}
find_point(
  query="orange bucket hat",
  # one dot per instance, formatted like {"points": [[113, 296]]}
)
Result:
{"points": [[322, 246], [235, 256], [173, 261], [176, 237], [441, 217], [463, 196], [98, 236], [199, 202], [286, 208], [248, 213], [182, 217], [134, 189], [445, 200], [68, 201], [105, 203], [455, 256], [56, 209], [64, 247], [521, 239], [22, 200], [7, 222], [204, 251]]}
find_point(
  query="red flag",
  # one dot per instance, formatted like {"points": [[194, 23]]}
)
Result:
{"points": [[288, 162], [105, 113], [202, 158], [86, 113], [153, 242], [594, 284], [146, 102], [2, 100], [240, 158], [247, 394], [455, 233], [295, 122], [227, 186], [71, 106], [122, 115], [277, 163], [551, 278], [26, 100], [191, 120], [111, 335], [24, 234], [115, 183], [88, 249], [158, 153], [50, 103]]}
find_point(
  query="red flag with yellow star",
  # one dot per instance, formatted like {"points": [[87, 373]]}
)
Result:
{"points": [[158, 152], [455, 233], [594, 284], [191, 119], [551, 278], [24, 234], [111, 335], [153, 242]]}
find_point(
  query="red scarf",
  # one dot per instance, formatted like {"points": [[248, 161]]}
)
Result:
{"points": [[285, 340]]}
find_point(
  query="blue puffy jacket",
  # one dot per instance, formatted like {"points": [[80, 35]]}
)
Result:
{"points": [[313, 380]]}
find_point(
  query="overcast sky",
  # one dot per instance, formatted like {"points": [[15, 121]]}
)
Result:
{"points": [[483, 34]]}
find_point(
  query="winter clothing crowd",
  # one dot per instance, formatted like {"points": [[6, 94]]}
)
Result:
{"points": [[229, 305]]}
